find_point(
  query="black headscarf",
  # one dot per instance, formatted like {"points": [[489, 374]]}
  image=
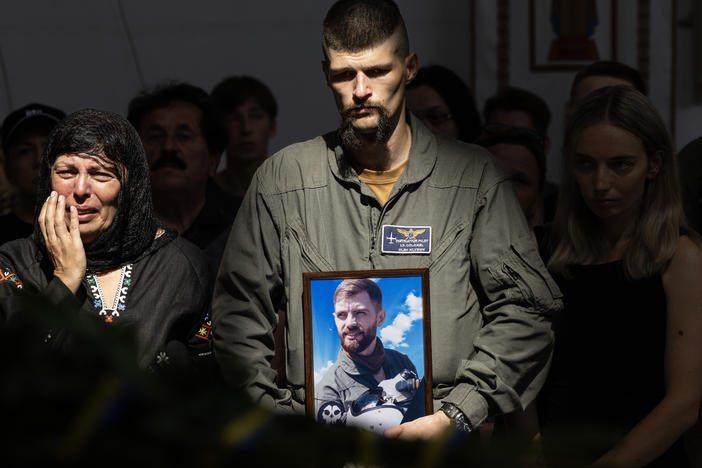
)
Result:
{"points": [[105, 135]]}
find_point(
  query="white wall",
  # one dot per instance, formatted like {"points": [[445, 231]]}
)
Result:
{"points": [[74, 54], [82, 53]]}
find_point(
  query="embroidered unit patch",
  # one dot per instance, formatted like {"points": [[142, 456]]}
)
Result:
{"points": [[408, 240], [204, 331], [6, 275]]}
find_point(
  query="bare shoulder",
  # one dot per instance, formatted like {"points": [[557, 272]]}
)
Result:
{"points": [[689, 252], [686, 265]]}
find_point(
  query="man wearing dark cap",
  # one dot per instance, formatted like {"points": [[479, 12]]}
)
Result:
{"points": [[24, 136]]}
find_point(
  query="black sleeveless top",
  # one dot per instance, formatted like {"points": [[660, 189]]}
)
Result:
{"points": [[607, 368]]}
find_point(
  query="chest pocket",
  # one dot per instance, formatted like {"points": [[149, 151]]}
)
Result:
{"points": [[299, 247], [451, 247]]}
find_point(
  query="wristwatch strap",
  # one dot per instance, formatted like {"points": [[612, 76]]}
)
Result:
{"points": [[458, 419]]}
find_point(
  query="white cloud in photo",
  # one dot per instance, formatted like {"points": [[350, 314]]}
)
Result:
{"points": [[318, 374], [393, 335], [414, 305]]}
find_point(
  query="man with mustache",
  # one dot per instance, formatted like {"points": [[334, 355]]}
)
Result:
{"points": [[342, 202], [363, 361], [184, 140]]}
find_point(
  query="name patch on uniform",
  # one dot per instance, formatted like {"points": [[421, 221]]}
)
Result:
{"points": [[410, 240]]}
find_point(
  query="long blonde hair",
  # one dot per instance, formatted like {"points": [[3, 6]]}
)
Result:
{"points": [[654, 234]]}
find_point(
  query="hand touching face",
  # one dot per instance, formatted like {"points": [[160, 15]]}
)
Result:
{"points": [[91, 185], [64, 245]]}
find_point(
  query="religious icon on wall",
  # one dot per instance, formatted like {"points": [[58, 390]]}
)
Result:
{"points": [[567, 34], [574, 25]]}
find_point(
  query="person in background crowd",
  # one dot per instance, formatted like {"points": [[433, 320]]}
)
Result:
{"points": [[522, 157], [444, 103], [248, 110], [514, 107], [518, 110], [600, 74], [184, 140], [24, 135]]}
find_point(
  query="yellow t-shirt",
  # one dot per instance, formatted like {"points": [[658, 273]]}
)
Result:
{"points": [[382, 182]]}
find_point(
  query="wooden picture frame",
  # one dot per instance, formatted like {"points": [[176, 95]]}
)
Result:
{"points": [[341, 387]]}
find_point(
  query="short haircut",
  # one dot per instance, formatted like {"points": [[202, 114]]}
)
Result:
{"points": [[166, 94], [613, 69], [351, 287], [457, 96], [516, 136], [518, 99], [233, 91], [353, 25]]}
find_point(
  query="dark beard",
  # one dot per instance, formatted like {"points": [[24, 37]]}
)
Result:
{"points": [[352, 141], [358, 346]]}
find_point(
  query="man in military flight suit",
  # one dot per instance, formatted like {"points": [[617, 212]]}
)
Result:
{"points": [[338, 202]]}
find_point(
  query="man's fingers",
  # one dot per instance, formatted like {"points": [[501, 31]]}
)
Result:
{"points": [[393, 432]]}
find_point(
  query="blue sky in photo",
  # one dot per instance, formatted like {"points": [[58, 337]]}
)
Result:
{"points": [[402, 330]]}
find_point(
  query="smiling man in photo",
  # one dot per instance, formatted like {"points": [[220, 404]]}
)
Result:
{"points": [[366, 376]]}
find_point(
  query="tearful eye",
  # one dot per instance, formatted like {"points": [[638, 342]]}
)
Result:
{"points": [[65, 173], [103, 177]]}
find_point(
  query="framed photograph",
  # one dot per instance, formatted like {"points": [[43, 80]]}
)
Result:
{"points": [[367, 347], [567, 35]]}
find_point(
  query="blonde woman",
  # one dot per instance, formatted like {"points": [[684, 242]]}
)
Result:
{"points": [[626, 377]]}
